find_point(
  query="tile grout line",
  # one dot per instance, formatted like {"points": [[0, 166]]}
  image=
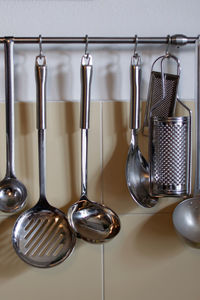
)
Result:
{"points": [[103, 272], [102, 200]]}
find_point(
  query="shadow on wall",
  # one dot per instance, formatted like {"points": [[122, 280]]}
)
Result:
{"points": [[69, 146], [156, 238], [153, 239], [10, 263]]}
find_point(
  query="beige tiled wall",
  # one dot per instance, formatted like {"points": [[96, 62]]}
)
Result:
{"points": [[145, 261]]}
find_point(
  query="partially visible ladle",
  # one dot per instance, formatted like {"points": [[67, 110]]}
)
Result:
{"points": [[186, 216], [137, 168], [13, 193], [93, 222]]}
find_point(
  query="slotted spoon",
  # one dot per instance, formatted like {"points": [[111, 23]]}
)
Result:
{"points": [[42, 236]]}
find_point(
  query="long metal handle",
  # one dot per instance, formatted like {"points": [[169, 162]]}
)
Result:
{"points": [[135, 92], [86, 79], [41, 74], [197, 171], [9, 95]]}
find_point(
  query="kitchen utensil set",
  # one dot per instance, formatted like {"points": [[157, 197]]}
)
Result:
{"points": [[44, 236]]}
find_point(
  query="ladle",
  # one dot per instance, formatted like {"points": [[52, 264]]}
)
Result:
{"points": [[93, 222], [13, 193], [42, 236], [186, 216], [137, 168]]}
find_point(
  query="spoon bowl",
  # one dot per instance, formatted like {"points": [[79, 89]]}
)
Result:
{"points": [[137, 177], [12, 195], [92, 221]]}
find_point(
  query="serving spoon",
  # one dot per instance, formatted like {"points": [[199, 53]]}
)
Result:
{"points": [[93, 222], [13, 193], [137, 168]]}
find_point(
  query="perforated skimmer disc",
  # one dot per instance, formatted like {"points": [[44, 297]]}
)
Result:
{"points": [[43, 238]]}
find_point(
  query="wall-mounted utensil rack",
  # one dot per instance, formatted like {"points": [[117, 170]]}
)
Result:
{"points": [[177, 39]]}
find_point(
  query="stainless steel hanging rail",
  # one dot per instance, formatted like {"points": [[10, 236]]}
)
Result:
{"points": [[178, 39]]}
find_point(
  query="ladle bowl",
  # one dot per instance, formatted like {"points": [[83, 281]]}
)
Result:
{"points": [[12, 195], [92, 221], [186, 220]]}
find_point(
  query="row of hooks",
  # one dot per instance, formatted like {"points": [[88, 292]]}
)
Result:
{"points": [[135, 54]]}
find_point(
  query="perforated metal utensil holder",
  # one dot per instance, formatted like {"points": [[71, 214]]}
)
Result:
{"points": [[170, 155]]}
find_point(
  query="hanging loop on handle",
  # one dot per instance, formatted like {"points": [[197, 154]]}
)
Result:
{"points": [[168, 56], [86, 46], [135, 48], [168, 43], [41, 57]]}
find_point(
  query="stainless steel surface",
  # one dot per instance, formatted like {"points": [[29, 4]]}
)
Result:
{"points": [[42, 236], [41, 73], [137, 169], [197, 106], [161, 99], [13, 193], [186, 220], [93, 222], [177, 39], [86, 76], [186, 216], [135, 92], [170, 155]]}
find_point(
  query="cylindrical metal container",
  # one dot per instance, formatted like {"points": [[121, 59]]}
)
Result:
{"points": [[170, 155]]}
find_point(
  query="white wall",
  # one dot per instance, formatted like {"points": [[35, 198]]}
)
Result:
{"points": [[96, 18]]}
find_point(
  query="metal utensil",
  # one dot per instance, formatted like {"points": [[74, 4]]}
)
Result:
{"points": [[137, 168], [156, 90], [93, 222], [186, 216], [169, 146], [13, 193], [42, 236]]}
